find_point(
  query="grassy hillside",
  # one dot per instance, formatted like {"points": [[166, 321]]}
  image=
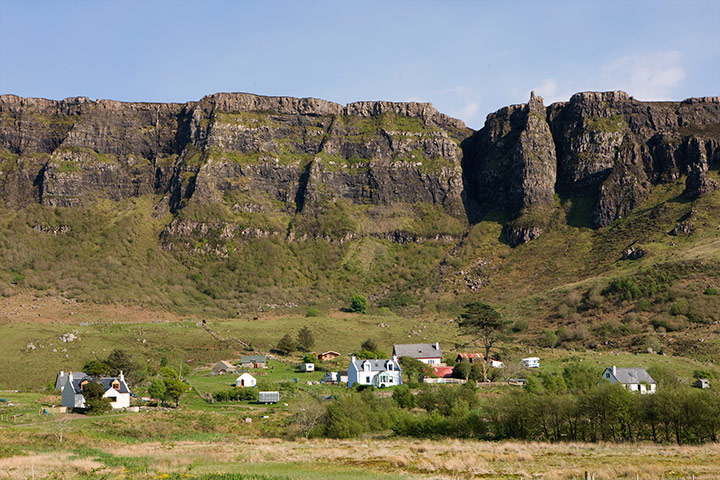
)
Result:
{"points": [[109, 259]]}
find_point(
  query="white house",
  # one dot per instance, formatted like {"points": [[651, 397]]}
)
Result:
{"points": [[115, 388], [498, 364], [530, 362], [245, 380], [307, 367], [634, 379], [378, 373], [425, 352]]}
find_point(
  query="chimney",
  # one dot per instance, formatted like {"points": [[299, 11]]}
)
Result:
{"points": [[437, 346], [121, 377], [614, 371]]}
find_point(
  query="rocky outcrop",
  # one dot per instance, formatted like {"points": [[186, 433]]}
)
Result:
{"points": [[238, 157], [602, 145]]}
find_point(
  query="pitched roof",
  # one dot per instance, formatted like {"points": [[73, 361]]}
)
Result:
{"points": [[379, 365], [443, 372], [63, 376], [253, 358], [471, 355], [331, 351], [224, 364], [632, 375], [106, 383], [418, 350]]}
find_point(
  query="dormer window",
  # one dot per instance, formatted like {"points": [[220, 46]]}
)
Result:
{"points": [[115, 384], [82, 384], [390, 366], [366, 366]]}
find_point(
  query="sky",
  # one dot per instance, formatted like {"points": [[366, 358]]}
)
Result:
{"points": [[468, 58]]}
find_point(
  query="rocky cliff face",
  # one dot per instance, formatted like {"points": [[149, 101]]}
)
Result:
{"points": [[247, 163], [606, 146]]}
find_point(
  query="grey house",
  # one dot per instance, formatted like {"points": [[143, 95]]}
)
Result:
{"points": [[425, 352], [253, 361], [634, 379]]}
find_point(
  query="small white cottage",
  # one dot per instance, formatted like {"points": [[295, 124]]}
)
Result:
{"points": [[634, 379], [115, 388], [377, 373], [245, 380]]}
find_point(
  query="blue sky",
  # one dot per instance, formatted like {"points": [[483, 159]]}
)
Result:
{"points": [[467, 58]]}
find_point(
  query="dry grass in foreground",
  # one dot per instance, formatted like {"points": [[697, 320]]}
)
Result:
{"points": [[372, 458]]}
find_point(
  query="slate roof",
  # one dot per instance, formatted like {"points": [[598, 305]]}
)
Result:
{"points": [[224, 364], [63, 376], [253, 358], [375, 365], [632, 375], [106, 383], [417, 350]]}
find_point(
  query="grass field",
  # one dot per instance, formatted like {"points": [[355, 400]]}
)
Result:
{"points": [[82, 456]]}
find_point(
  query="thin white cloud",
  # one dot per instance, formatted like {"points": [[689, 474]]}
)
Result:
{"points": [[646, 77]]}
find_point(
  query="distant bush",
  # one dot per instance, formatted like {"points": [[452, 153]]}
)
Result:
{"points": [[314, 312], [710, 291], [398, 300], [236, 394], [632, 288], [520, 325], [668, 323], [358, 303]]}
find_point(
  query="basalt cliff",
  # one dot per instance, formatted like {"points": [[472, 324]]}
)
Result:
{"points": [[234, 167]]}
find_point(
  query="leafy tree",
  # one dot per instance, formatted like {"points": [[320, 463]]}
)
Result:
{"points": [[305, 339], [369, 345], [403, 397], [462, 370], [119, 360], [368, 355], [412, 367], [358, 303], [483, 320], [310, 358], [96, 368], [157, 389], [549, 338], [94, 401], [580, 377], [174, 389], [286, 344]]}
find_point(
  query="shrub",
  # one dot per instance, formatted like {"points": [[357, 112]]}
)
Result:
{"points": [[358, 303], [710, 291], [520, 325], [398, 300], [314, 312], [669, 323], [403, 397]]}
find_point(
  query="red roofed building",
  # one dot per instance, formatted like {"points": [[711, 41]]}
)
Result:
{"points": [[443, 372], [470, 357]]}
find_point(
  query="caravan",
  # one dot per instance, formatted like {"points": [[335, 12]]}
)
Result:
{"points": [[531, 362]]}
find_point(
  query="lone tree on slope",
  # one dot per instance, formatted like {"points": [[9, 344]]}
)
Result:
{"points": [[483, 320]]}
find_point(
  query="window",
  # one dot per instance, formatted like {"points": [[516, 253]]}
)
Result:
{"points": [[112, 399], [115, 384], [367, 379]]}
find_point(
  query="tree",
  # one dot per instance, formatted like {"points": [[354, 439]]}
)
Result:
{"points": [[96, 368], [174, 389], [483, 320], [462, 370], [412, 367], [305, 339], [157, 389], [95, 402], [358, 303], [286, 344], [118, 361], [549, 338], [369, 345]]}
